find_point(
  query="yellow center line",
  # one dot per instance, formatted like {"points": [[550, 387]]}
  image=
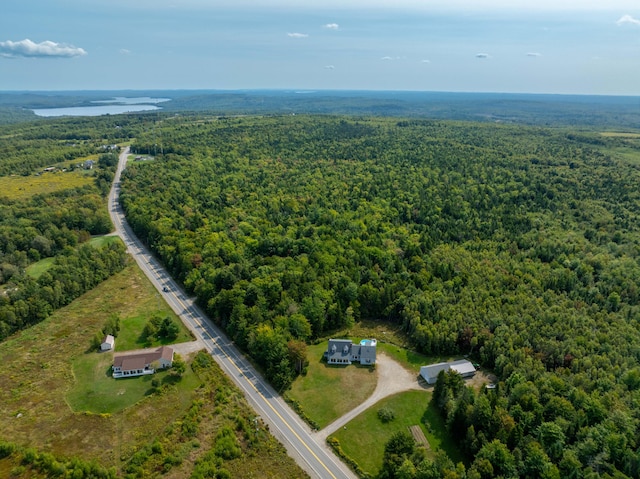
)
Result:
{"points": [[199, 323], [253, 385]]}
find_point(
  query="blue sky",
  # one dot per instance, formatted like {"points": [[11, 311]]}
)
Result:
{"points": [[542, 46]]}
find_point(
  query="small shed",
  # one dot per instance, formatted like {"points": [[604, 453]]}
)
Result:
{"points": [[107, 343], [462, 367]]}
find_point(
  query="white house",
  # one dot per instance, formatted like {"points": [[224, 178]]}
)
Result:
{"points": [[107, 343], [343, 351], [463, 367], [139, 363]]}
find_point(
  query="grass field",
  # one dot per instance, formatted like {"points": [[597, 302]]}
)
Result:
{"points": [[346, 386], [21, 187], [627, 154], [39, 370], [409, 359], [104, 240], [97, 392], [49, 373], [364, 438], [36, 269], [620, 134], [131, 328]]}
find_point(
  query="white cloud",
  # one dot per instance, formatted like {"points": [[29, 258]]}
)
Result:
{"points": [[27, 48], [425, 61], [332, 26], [329, 67], [124, 51], [297, 35], [627, 19], [386, 58], [534, 54]]}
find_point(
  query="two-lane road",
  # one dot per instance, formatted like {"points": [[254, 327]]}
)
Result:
{"points": [[314, 457]]}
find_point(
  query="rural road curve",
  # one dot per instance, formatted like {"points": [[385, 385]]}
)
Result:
{"points": [[309, 450]]}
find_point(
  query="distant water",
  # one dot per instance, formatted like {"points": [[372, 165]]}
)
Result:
{"points": [[123, 100], [114, 106]]}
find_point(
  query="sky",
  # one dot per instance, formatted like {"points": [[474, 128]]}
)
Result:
{"points": [[516, 46]]}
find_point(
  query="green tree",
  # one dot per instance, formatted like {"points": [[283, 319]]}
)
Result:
{"points": [[397, 450], [179, 366], [112, 326], [168, 329], [499, 457]]}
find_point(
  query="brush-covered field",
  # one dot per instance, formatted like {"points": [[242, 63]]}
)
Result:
{"points": [[57, 397]]}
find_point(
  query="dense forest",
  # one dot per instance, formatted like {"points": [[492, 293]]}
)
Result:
{"points": [[55, 225], [515, 245], [530, 109]]}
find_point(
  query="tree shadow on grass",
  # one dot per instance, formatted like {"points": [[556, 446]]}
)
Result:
{"points": [[143, 340], [171, 379], [436, 426]]}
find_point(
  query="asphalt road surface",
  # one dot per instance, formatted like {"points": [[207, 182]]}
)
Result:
{"points": [[313, 456]]}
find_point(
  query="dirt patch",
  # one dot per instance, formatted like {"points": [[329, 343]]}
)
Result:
{"points": [[480, 379]]}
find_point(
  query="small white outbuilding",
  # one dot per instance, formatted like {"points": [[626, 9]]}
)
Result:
{"points": [[107, 343]]}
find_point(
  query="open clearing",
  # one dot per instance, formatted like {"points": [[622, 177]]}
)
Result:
{"points": [[363, 439], [36, 269], [22, 187], [96, 391], [39, 372], [329, 391]]}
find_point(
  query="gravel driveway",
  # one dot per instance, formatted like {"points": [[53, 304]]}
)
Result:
{"points": [[185, 349], [392, 379]]}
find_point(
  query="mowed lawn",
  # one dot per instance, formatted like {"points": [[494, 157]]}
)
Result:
{"points": [[327, 392], [131, 329], [391, 340], [411, 360], [36, 269], [364, 438], [46, 367], [103, 240], [96, 391]]}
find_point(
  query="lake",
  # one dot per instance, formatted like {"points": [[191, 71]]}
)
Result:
{"points": [[114, 106]]}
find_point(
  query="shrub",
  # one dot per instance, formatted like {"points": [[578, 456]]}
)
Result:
{"points": [[386, 415], [227, 446]]}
